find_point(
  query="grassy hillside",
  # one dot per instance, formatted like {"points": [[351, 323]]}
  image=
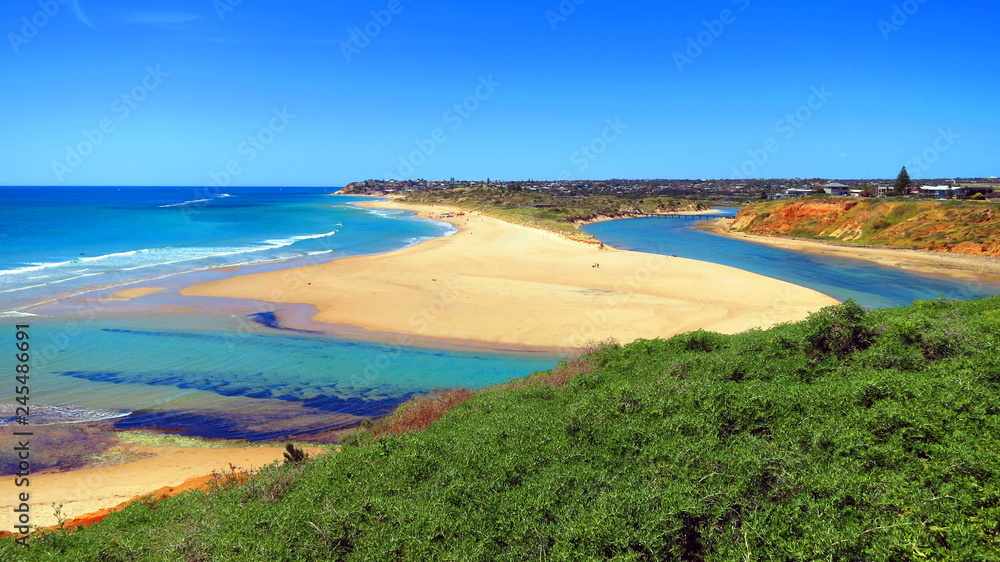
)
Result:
{"points": [[966, 227], [852, 435], [561, 214]]}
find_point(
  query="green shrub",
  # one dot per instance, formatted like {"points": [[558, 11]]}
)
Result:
{"points": [[700, 340], [840, 330]]}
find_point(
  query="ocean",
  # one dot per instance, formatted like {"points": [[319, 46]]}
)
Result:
{"points": [[221, 371], [60, 241]]}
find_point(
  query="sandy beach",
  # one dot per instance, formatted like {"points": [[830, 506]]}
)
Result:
{"points": [[919, 261], [504, 284], [88, 490]]}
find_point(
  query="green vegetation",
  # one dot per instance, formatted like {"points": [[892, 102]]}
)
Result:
{"points": [[853, 435], [961, 226], [561, 214]]}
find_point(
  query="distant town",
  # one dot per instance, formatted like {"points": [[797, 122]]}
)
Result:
{"points": [[718, 190]]}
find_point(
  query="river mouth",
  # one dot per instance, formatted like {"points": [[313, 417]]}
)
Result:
{"points": [[869, 284]]}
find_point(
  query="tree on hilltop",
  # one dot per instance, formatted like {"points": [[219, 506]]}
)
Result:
{"points": [[902, 182]]}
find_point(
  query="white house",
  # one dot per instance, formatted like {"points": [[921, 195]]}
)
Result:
{"points": [[834, 188], [942, 191], [798, 192]]}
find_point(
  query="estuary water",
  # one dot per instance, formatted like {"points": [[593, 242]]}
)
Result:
{"points": [[867, 283]]}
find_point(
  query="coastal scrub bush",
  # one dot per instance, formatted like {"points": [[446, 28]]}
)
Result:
{"points": [[881, 224], [273, 483], [568, 369], [556, 378], [228, 477], [700, 340], [839, 329], [418, 413]]}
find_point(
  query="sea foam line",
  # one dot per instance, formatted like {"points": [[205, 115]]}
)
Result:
{"points": [[53, 282], [203, 253], [193, 201], [282, 242], [116, 255], [76, 261], [174, 262], [34, 267], [16, 314], [52, 414]]}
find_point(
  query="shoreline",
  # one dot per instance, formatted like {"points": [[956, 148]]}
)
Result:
{"points": [[103, 488], [488, 282], [925, 262]]}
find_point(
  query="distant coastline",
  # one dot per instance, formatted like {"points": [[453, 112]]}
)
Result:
{"points": [[559, 209]]}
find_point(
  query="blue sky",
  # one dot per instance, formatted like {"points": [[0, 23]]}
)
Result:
{"points": [[230, 92]]}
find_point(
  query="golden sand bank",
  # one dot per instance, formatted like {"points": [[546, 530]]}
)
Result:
{"points": [[499, 283]]}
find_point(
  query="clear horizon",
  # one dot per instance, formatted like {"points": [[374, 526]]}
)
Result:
{"points": [[230, 93]]}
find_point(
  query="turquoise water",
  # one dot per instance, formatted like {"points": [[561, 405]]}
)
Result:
{"points": [[60, 241], [867, 283], [219, 371], [160, 373]]}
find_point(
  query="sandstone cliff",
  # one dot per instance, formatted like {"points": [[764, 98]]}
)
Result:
{"points": [[965, 227]]}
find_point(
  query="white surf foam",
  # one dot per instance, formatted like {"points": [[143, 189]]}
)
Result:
{"points": [[282, 242], [192, 202], [48, 414], [195, 201], [16, 314]]}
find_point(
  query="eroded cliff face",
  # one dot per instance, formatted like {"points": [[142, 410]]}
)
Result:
{"points": [[964, 227]]}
